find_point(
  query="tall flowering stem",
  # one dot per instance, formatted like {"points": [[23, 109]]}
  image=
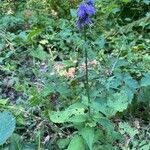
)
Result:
{"points": [[85, 11], [87, 75]]}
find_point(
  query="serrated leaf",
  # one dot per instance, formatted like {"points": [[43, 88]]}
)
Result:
{"points": [[106, 123], [7, 126], [130, 94], [67, 115], [76, 143], [88, 135], [98, 107], [39, 53], [145, 81], [118, 101]]}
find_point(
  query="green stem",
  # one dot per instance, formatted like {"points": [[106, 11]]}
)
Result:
{"points": [[87, 75]]}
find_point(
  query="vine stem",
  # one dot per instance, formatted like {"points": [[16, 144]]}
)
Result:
{"points": [[87, 75]]}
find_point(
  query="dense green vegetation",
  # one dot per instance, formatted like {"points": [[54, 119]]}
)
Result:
{"points": [[43, 99]]}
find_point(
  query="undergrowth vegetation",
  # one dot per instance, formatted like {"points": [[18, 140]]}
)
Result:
{"points": [[46, 102]]}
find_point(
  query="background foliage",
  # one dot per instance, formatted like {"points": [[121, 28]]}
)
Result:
{"points": [[39, 44]]}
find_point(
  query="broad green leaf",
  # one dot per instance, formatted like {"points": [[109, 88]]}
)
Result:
{"points": [[47, 90], [3, 101], [145, 81], [144, 94], [59, 117], [15, 142], [7, 126], [118, 101], [69, 114], [76, 108], [76, 143], [62, 143], [106, 123], [39, 53], [88, 135], [129, 92], [99, 107], [100, 42], [77, 119]]}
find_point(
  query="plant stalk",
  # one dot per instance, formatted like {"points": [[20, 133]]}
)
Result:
{"points": [[87, 75]]}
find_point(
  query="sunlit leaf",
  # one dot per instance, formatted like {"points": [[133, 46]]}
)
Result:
{"points": [[88, 135], [76, 143], [7, 126]]}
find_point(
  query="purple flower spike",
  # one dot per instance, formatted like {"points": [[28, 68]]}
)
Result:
{"points": [[90, 10], [90, 2], [85, 11], [81, 11], [88, 21]]}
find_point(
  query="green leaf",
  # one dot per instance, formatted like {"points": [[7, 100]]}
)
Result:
{"points": [[99, 107], [59, 117], [39, 53], [62, 143], [106, 123], [69, 114], [16, 142], [145, 81], [144, 94], [101, 42], [76, 143], [145, 146], [34, 101], [77, 119], [118, 101], [35, 98], [125, 1], [146, 2], [88, 135], [33, 33], [7, 126], [3, 101], [47, 90], [73, 13]]}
